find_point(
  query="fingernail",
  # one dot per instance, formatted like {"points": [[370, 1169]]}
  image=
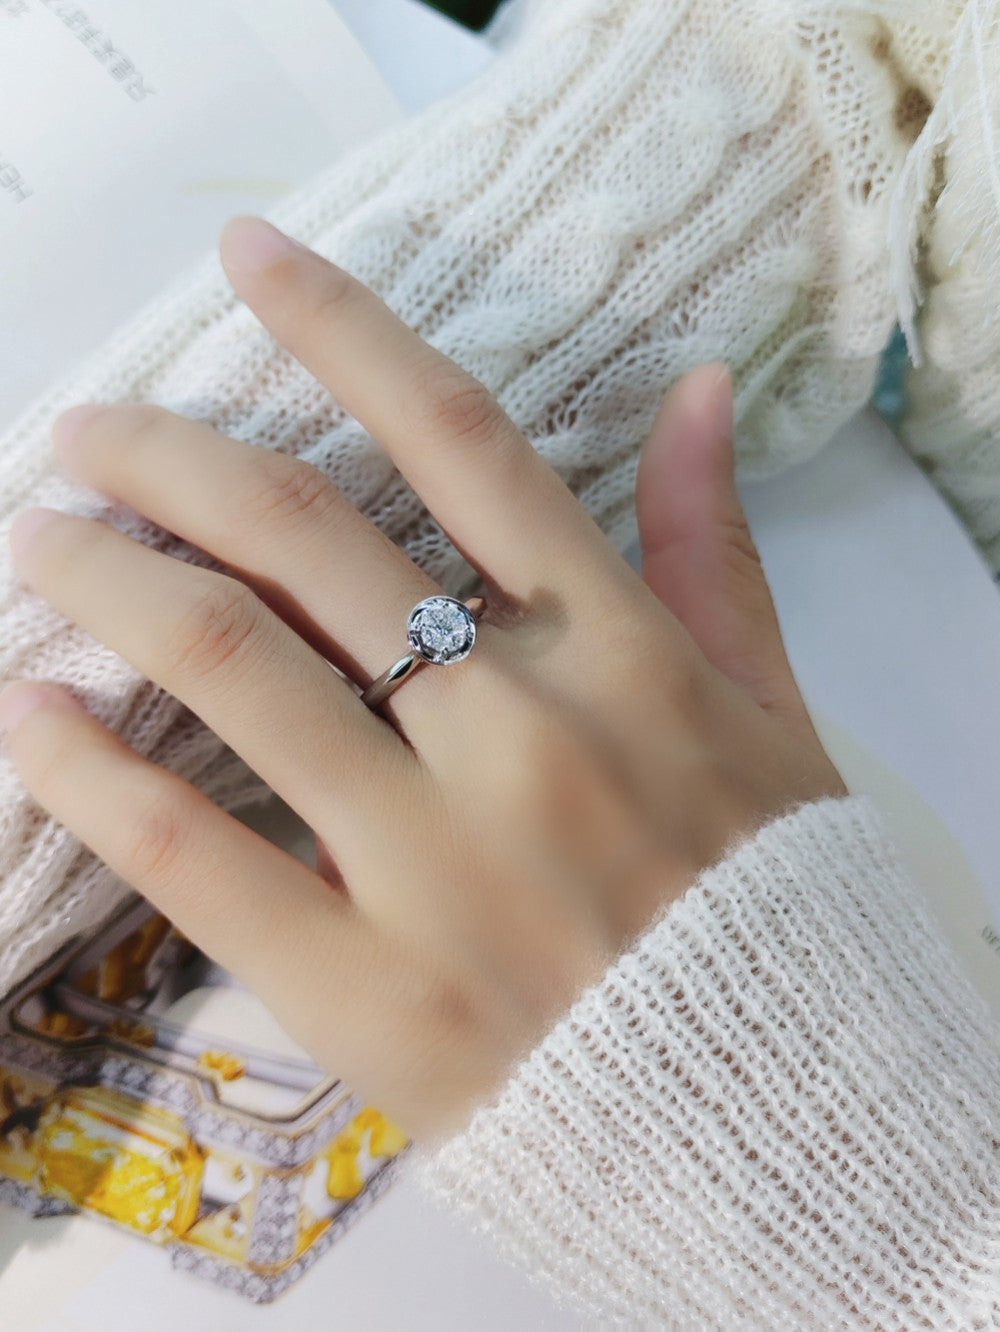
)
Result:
{"points": [[24, 696], [249, 244], [26, 524], [720, 411], [68, 424]]}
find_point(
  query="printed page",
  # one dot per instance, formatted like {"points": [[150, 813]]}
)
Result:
{"points": [[130, 132]]}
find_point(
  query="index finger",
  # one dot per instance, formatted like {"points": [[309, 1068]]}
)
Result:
{"points": [[500, 502]]}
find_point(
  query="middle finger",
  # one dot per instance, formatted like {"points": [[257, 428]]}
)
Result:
{"points": [[278, 522]]}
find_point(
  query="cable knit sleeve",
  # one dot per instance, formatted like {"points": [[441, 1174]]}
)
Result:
{"points": [[779, 1110], [950, 195], [632, 188]]}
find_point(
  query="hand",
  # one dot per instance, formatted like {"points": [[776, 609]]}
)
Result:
{"points": [[494, 839]]}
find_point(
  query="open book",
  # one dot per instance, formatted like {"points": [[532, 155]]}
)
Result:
{"points": [[130, 132]]}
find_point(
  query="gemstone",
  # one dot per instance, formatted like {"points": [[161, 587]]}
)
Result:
{"points": [[441, 630]]}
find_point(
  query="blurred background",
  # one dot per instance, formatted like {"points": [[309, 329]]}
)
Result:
{"points": [[473, 13]]}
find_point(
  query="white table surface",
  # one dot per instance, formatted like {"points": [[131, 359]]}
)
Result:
{"points": [[421, 54], [893, 628]]}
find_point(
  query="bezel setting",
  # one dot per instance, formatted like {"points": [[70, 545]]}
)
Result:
{"points": [[441, 630]]}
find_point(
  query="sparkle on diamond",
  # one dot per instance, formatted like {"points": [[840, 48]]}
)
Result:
{"points": [[441, 630]]}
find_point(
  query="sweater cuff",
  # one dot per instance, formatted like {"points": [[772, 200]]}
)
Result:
{"points": [[778, 1109]]}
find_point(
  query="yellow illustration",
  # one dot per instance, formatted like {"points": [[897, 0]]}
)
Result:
{"points": [[130, 1090], [131, 1163]]}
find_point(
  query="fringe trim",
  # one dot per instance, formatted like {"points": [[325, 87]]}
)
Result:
{"points": [[965, 126]]}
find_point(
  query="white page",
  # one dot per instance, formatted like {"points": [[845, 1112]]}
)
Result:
{"points": [[118, 114]]}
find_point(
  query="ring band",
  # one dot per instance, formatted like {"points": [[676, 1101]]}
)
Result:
{"points": [[441, 631]]}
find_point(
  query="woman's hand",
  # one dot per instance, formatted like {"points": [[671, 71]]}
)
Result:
{"points": [[491, 842]]}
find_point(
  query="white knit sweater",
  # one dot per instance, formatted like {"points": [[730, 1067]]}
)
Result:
{"points": [[634, 187], [779, 1110]]}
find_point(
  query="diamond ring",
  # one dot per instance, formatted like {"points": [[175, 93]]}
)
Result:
{"points": [[441, 631]]}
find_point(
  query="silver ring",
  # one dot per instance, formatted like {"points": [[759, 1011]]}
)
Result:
{"points": [[440, 631]]}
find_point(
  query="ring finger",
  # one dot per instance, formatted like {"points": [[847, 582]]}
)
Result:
{"points": [[278, 522]]}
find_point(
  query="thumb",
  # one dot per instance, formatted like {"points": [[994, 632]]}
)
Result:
{"points": [[699, 557]]}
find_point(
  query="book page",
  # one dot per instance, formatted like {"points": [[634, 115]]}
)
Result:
{"points": [[130, 132]]}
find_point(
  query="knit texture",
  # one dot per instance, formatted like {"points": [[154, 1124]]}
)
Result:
{"points": [[952, 419], [633, 187], [779, 1110]]}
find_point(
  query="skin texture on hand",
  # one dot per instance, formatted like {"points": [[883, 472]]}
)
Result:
{"points": [[494, 837]]}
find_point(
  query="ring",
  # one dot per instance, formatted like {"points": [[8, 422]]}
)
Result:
{"points": [[441, 631]]}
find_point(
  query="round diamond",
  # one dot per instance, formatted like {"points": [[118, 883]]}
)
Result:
{"points": [[441, 630]]}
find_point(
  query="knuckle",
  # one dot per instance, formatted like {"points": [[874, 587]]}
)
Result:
{"points": [[739, 550], [55, 750], [142, 420], [746, 584], [450, 402], [340, 289], [444, 1008], [286, 492], [217, 629], [77, 544], [159, 836]]}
